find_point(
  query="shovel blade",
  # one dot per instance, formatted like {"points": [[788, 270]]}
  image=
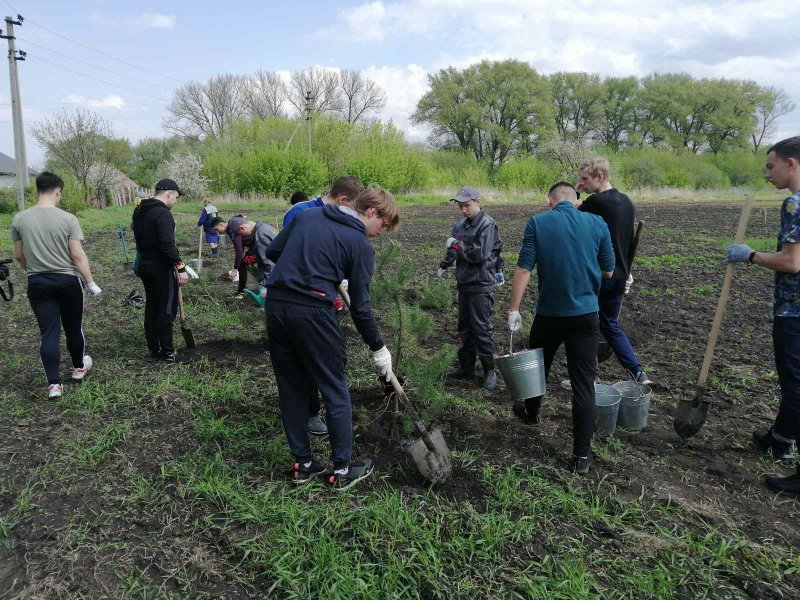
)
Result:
{"points": [[690, 416], [188, 338], [435, 465], [603, 351]]}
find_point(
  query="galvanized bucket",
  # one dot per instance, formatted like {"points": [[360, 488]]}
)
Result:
{"points": [[523, 373], [635, 405], [606, 406]]}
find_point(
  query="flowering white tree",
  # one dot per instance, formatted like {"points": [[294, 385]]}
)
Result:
{"points": [[186, 169]]}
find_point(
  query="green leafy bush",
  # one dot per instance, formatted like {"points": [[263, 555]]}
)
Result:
{"points": [[526, 174], [743, 168], [639, 172], [8, 200]]}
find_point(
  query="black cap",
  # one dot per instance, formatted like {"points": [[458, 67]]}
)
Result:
{"points": [[168, 184]]}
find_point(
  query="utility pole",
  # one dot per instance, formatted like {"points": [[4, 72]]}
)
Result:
{"points": [[16, 110], [309, 110]]}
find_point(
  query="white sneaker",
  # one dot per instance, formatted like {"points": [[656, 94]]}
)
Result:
{"points": [[566, 384], [54, 390], [78, 374]]}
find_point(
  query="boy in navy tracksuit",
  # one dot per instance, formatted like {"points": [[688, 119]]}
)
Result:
{"points": [[474, 245], [320, 248], [208, 213]]}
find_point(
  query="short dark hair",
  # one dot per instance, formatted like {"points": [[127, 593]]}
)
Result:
{"points": [[349, 185], [216, 221], [788, 148], [298, 197], [47, 182], [560, 184]]}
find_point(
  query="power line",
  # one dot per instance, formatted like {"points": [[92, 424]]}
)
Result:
{"points": [[95, 78], [106, 54], [147, 83]]}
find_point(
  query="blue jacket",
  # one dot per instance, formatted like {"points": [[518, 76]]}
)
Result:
{"points": [[319, 249], [300, 207], [570, 249]]}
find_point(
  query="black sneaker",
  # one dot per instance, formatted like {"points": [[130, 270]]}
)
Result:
{"points": [[520, 409], [766, 443], [355, 472], [581, 464], [153, 356], [304, 472], [789, 486], [173, 358]]}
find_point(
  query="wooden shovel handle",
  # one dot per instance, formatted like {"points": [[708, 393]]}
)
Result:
{"points": [[723, 298]]}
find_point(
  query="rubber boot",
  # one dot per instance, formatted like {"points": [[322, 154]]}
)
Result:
{"points": [[489, 374], [466, 366]]}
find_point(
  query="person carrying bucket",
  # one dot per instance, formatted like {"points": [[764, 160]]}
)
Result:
{"points": [[206, 216], [572, 251], [474, 246]]}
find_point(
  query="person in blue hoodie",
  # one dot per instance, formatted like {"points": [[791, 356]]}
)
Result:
{"points": [[208, 213], [319, 249]]}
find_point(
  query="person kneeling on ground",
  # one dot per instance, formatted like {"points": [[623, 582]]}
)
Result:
{"points": [[47, 244], [244, 254], [474, 245], [312, 256], [572, 251]]}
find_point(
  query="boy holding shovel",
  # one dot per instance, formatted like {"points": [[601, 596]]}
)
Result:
{"points": [[474, 246]]}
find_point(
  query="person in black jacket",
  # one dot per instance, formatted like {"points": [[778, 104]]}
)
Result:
{"points": [[320, 248], [158, 259], [617, 210], [474, 245]]}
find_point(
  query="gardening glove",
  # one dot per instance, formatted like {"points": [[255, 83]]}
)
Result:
{"points": [[451, 241], [737, 253], [234, 275], [440, 272], [94, 289], [383, 362], [514, 321], [499, 279], [263, 292], [628, 283], [192, 273], [344, 285]]}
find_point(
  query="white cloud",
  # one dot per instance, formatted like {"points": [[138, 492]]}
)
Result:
{"points": [[156, 21], [404, 86], [110, 101]]}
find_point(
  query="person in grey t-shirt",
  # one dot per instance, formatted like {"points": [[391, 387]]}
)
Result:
{"points": [[47, 243]]}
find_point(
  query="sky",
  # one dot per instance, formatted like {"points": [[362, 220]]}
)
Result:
{"points": [[124, 59]]}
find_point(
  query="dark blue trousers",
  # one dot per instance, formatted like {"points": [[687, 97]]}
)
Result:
{"points": [[786, 341], [307, 345], [475, 322], [57, 300], [610, 300]]}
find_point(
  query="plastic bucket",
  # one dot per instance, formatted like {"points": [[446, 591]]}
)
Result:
{"points": [[606, 406], [523, 373], [635, 405]]}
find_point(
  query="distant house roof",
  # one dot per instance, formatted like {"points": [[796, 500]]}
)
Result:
{"points": [[8, 166]]}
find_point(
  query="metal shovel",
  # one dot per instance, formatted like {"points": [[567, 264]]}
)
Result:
{"points": [[121, 233], [690, 415], [430, 451], [188, 338], [603, 347]]}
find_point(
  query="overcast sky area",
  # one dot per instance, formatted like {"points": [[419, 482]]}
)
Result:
{"points": [[141, 51]]}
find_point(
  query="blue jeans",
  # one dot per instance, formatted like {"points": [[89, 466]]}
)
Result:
{"points": [[610, 300], [786, 341]]}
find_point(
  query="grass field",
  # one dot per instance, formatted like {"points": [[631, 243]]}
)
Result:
{"points": [[167, 482]]}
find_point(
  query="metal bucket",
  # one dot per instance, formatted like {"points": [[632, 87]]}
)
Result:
{"points": [[606, 406], [635, 405], [523, 373]]}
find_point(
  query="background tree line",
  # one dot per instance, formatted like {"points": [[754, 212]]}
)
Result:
{"points": [[496, 110]]}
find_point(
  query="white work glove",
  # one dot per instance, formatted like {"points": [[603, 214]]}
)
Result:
{"points": [[234, 275], [263, 292], [94, 289], [514, 321], [192, 273], [344, 285], [440, 272], [383, 362], [451, 241], [628, 283]]}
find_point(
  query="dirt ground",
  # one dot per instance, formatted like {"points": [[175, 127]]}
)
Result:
{"points": [[713, 481]]}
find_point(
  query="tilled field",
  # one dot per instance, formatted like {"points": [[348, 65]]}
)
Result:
{"points": [[166, 482]]}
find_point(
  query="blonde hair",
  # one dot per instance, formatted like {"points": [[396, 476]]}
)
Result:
{"points": [[376, 197], [597, 167]]}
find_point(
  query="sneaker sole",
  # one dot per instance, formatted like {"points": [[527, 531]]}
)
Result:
{"points": [[318, 433], [298, 481], [354, 481]]}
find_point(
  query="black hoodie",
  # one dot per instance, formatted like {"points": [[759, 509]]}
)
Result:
{"points": [[318, 249], [154, 230]]}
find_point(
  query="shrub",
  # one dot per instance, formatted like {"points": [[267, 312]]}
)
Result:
{"points": [[526, 174], [8, 200], [742, 168], [707, 176], [435, 294], [639, 172]]}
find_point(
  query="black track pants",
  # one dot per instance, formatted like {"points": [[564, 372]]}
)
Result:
{"points": [[57, 300], [160, 308]]}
